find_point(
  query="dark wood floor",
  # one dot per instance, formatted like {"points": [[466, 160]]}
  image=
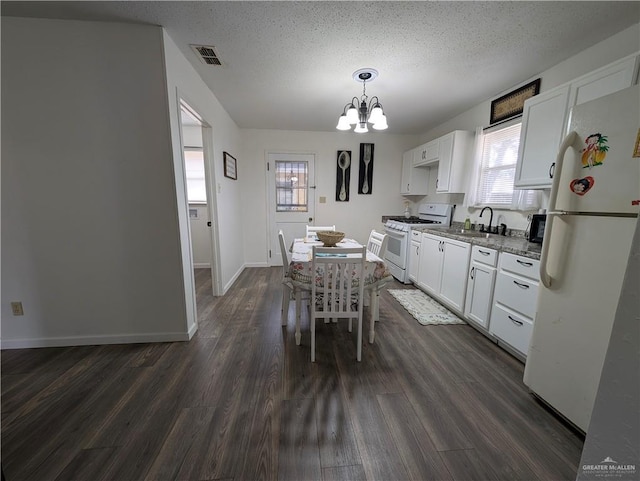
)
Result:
{"points": [[242, 402]]}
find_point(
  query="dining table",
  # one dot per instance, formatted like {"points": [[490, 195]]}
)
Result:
{"points": [[376, 274], [301, 251]]}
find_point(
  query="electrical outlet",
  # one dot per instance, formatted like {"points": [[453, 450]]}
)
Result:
{"points": [[16, 308]]}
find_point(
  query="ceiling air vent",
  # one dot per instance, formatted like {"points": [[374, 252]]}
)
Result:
{"points": [[206, 54]]}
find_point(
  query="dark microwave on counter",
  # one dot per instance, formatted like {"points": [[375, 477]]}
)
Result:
{"points": [[536, 232]]}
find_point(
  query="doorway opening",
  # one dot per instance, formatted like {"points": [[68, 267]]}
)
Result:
{"points": [[197, 154]]}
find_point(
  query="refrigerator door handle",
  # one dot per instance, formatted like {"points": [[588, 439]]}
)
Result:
{"points": [[564, 146], [545, 277]]}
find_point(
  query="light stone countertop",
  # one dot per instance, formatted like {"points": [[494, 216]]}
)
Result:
{"points": [[513, 244]]}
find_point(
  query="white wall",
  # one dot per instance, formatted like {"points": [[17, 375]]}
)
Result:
{"points": [[599, 55], [356, 217], [90, 240], [225, 195]]}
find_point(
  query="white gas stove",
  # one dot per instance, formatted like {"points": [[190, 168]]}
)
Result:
{"points": [[398, 230]]}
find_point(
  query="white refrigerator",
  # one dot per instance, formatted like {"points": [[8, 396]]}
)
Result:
{"points": [[592, 214]]}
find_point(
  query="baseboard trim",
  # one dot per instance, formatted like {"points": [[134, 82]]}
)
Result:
{"points": [[142, 338], [232, 280], [192, 330], [257, 264]]}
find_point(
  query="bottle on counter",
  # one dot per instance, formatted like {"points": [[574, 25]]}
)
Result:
{"points": [[467, 223]]}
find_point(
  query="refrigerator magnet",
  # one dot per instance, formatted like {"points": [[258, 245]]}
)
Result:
{"points": [[595, 151], [582, 186]]}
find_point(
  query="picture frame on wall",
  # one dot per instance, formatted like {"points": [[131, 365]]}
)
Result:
{"points": [[230, 166], [343, 175], [512, 104], [365, 173]]}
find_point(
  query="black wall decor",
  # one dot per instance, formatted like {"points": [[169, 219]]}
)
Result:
{"points": [[512, 104], [343, 175], [365, 174]]}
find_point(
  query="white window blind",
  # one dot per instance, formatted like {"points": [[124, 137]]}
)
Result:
{"points": [[497, 170], [194, 169], [498, 166]]}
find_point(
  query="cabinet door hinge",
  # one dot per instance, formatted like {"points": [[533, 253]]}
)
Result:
{"points": [[267, 166], [269, 253]]}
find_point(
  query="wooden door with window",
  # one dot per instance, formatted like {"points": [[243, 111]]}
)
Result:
{"points": [[290, 178]]}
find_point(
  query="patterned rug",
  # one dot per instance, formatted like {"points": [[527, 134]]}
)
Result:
{"points": [[425, 310]]}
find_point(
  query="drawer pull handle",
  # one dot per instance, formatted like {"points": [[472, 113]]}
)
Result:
{"points": [[515, 321], [523, 286], [484, 253], [523, 263]]}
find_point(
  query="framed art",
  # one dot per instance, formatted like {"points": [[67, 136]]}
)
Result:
{"points": [[230, 167], [365, 174], [512, 104], [343, 175]]}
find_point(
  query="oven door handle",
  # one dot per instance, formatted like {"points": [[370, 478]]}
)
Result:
{"points": [[395, 233]]}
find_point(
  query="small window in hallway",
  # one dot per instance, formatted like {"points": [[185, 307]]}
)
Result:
{"points": [[194, 167]]}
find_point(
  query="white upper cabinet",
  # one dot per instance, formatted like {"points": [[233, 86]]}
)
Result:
{"points": [[415, 180], [456, 149], [607, 80], [543, 121], [545, 117], [427, 154]]}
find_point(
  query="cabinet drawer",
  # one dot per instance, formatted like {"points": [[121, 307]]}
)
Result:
{"points": [[516, 292], [512, 328], [484, 256], [520, 265]]}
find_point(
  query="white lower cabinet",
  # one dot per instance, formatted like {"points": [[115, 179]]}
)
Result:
{"points": [[512, 328], [515, 296], [442, 270], [414, 255], [480, 284]]}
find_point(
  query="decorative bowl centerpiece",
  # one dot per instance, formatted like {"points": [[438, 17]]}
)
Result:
{"points": [[329, 237]]}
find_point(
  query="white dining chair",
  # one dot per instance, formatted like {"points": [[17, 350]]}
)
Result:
{"points": [[377, 245], [312, 229], [290, 290], [338, 291]]}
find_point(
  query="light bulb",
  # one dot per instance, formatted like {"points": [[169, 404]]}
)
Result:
{"points": [[352, 115], [343, 123], [361, 128], [375, 115], [381, 123]]}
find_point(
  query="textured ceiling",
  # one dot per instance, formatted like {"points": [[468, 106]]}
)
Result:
{"points": [[289, 65]]}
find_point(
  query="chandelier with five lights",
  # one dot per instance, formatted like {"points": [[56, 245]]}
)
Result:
{"points": [[361, 111]]}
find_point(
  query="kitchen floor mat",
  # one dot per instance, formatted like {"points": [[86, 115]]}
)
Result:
{"points": [[423, 308]]}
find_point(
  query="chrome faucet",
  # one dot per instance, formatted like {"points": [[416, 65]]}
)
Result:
{"points": [[490, 218]]}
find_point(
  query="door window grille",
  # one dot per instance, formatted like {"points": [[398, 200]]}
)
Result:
{"points": [[291, 186]]}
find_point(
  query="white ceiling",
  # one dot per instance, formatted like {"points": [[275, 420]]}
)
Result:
{"points": [[289, 65]]}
